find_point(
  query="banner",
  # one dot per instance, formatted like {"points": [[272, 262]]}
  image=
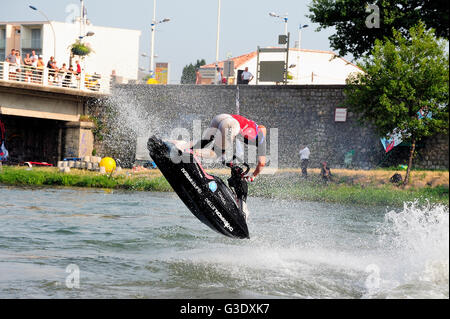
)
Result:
{"points": [[162, 73]]}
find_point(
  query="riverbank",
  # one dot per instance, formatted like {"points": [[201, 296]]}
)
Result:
{"points": [[356, 187]]}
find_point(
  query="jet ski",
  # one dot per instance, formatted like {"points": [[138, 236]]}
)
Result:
{"points": [[220, 207]]}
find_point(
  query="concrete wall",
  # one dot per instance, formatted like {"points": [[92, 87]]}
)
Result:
{"points": [[42, 123], [79, 139], [34, 100], [302, 115]]}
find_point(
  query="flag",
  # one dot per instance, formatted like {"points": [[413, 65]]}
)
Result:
{"points": [[395, 137]]}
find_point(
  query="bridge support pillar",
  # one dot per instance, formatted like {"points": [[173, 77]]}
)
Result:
{"points": [[79, 139]]}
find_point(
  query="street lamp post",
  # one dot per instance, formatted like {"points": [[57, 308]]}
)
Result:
{"points": [[89, 34], [218, 31], [217, 41], [153, 37], [300, 27], [153, 29], [283, 18], [51, 25]]}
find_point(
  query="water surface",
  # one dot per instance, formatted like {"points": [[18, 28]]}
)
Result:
{"points": [[148, 245]]}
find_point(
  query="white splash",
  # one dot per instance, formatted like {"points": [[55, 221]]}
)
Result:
{"points": [[417, 238]]}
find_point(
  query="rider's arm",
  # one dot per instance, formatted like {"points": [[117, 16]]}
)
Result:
{"points": [[260, 166]]}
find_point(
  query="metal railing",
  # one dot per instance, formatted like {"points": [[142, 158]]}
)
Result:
{"points": [[55, 77]]}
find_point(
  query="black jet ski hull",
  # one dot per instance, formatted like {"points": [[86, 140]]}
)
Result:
{"points": [[206, 196]]}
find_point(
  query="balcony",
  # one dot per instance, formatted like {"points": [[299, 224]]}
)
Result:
{"points": [[33, 43], [45, 77]]}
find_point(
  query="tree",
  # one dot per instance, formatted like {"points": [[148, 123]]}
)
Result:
{"points": [[353, 35], [402, 77], [188, 76]]}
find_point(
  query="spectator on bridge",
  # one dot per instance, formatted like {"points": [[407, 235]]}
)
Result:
{"points": [[40, 69], [28, 67], [34, 64], [53, 69], [61, 74], [78, 67], [18, 67], [34, 59], [11, 59], [68, 77]]}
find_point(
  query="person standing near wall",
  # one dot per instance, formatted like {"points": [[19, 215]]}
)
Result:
{"points": [[246, 76], [219, 76], [325, 172], [304, 159]]}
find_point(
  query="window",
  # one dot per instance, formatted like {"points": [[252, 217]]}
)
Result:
{"points": [[36, 38], [2, 44], [2, 38]]}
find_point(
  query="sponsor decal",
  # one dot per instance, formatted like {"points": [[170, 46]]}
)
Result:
{"points": [[189, 178], [226, 224], [212, 186], [221, 197]]}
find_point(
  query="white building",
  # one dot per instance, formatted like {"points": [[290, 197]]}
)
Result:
{"points": [[305, 66], [113, 48]]}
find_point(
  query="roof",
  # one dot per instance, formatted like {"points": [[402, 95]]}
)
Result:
{"points": [[238, 61], [33, 23]]}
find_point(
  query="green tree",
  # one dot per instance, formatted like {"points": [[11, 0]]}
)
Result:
{"points": [[354, 36], [188, 76], [403, 75]]}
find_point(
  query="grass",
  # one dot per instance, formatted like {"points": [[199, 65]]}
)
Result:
{"points": [[356, 187], [78, 178], [345, 191]]}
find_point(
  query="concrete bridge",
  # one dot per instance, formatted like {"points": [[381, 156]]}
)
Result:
{"points": [[43, 121]]}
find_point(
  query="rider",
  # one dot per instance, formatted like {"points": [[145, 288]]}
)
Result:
{"points": [[225, 128]]}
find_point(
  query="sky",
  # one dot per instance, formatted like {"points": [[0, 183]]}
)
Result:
{"points": [[191, 33]]}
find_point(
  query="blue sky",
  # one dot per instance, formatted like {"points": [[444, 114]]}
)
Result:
{"points": [[191, 33]]}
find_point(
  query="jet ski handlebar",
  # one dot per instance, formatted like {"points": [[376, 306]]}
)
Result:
{"points": [[241, 170]]}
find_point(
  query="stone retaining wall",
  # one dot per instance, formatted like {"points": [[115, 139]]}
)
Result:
{"points": [[302, 114]]}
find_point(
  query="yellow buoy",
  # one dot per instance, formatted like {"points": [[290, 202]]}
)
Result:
{"points": [[108, 163], [152, 81]]}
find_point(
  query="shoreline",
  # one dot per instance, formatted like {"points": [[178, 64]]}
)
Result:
{"points": [[355, 187]]}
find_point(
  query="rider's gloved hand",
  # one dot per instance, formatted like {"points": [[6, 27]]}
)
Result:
{"points": [[249, 177]]}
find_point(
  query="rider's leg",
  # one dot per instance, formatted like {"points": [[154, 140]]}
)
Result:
{"points": [[229, 128], [210, 133]]}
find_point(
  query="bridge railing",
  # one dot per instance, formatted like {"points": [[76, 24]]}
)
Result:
{"points": [[44, 76]]}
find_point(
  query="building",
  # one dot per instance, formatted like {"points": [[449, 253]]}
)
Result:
{"points": [[113, 48], [305, 67]]}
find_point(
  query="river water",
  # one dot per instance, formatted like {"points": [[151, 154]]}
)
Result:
{"points": [[84, 243]]}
